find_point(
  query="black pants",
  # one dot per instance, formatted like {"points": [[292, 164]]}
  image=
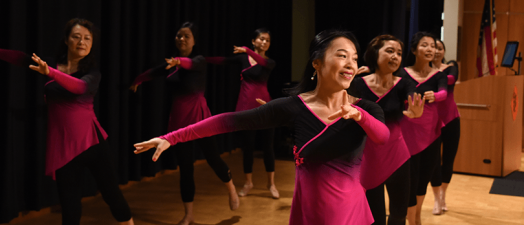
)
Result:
{"points": [[423, 166], [398, 191], [69, 180], [450, 140], [248, 139], [185, 155]]}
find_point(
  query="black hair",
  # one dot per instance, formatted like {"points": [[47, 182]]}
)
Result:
{"points": [[89, 61], [410, 60], [371, 55], [317, 50], [260, 31]]}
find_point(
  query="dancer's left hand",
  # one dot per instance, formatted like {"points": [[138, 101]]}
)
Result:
{"points": [[42, 65], [171, 62], [158, 143], [430, 96], [347, 111], [237, 49], [415, 107]]}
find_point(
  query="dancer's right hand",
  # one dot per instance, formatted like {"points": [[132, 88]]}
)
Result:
{"points": [[237, 49], [133, 87], [158, 143]]}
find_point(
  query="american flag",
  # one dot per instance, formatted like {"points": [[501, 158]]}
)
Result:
{"points": [[487, 47]]}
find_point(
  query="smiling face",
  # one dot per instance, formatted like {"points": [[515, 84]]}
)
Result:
{"points": [[262, 42], [184, 40], [439, 52], [425, 50], [337, 69], [79, 42], [389, 57]]}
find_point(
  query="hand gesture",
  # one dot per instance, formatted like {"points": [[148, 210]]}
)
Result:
{"points": [[133, 87], [260, 101], [347, 111], [42, 65], [363, 69], [158, 143], [430, 96], [171, 62], [416, 107], [237, 49]]}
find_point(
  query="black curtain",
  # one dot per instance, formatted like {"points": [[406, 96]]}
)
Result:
{"points": [[134, 36]]}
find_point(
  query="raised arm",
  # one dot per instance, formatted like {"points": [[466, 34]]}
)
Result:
{"points": [[273, 114], [70, 83], [372, 122]]}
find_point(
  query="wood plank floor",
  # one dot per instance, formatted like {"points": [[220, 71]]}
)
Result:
{"points": [[157, 201]]}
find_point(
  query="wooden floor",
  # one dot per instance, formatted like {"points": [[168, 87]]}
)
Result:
{"points": [[157, 201]]}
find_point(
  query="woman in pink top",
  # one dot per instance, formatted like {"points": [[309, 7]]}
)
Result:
{"points": [[330, 129], [256, 68], [450, 135], [423, 134], [75, 139]]}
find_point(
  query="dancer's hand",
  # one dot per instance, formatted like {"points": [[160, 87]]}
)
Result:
{"points": [[430, 96], [42, 65], [158, 143], [237, 49], [363, 69], [260, 101], [416, 107], [171, 62], [133, 87], [347, 111]]}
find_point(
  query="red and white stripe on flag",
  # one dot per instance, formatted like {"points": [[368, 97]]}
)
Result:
{"points": [[487, 47]]}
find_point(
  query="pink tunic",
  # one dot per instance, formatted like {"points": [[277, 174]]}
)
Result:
{"points": [[329, 193], [72, 123]]}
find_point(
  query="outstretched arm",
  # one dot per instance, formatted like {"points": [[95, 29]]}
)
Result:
{"points": [[275, 113], [15, 57]]}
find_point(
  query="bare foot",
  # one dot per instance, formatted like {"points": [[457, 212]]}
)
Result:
{"points": [[274, 191], [187, 220], [245, 190], [234, 201], [443, 201]]}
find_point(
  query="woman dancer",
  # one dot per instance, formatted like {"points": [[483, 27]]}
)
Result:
{"points": [[256, 68], [450, 135], [384, 55], [186, 74], [75, 139], [423, 132], [328, 149]]}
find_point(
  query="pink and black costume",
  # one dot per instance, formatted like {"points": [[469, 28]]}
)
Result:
{"points": [[450, 135], [423, 134], [253, 85], [386, 164], [328, 156], [75, 139], [188, 83]]}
